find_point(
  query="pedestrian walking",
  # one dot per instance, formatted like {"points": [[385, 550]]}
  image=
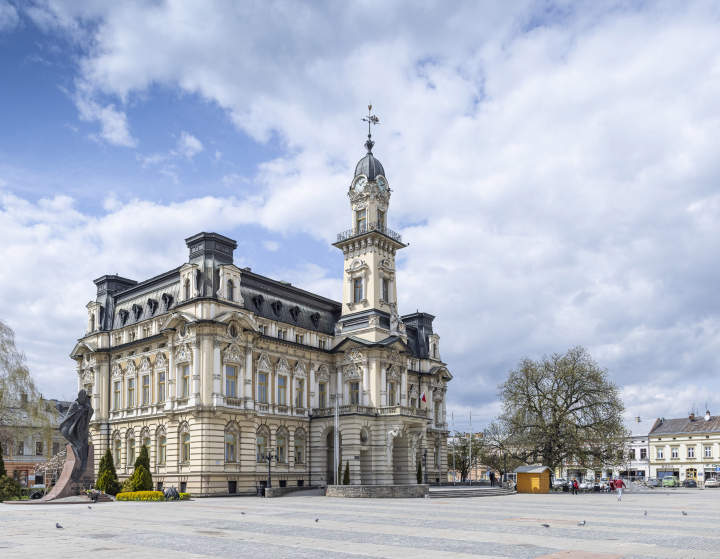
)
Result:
{"points": [[492, 479], [612, 485], [619, 485], [575, 486]]}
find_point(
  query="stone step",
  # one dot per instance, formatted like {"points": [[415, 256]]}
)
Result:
{"points": [[466, 493]]}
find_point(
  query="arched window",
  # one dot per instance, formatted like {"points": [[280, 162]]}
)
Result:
{"points": [[118, 449], [230, 381], [186, 447], [385, 291], [230, 290], [357, 290], [131, 451], [187, 289], [281, 449], [230, 442], [261, 446], [391, 394], [299, 449]]}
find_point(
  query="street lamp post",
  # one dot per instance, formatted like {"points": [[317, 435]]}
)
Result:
{"points": [[425, 465], [505, 466], [269, 458]]}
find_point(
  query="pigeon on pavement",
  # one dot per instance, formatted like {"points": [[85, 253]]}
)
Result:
{"points": [[242, 513], [545, 525], [58, 526], [645, 513], [581, 523], [89, 507], [317, 519], [684, 513]]}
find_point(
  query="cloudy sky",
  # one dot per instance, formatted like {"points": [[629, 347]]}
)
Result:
{"points": [[555, 168]]}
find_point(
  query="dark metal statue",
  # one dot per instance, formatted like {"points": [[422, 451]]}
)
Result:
{"points": [[172, 494], [75, 428]]}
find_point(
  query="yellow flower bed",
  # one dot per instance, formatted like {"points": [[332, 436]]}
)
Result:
{"points": [[141, 496], [184, 496]]}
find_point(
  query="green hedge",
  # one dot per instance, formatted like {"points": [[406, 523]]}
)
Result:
{"points": [[141, 496], [184, 496]]}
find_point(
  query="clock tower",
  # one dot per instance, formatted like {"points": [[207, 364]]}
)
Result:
{"points": [[369, 308]]}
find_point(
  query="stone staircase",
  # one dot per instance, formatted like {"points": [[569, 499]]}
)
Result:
{"points": [[450, 492]]}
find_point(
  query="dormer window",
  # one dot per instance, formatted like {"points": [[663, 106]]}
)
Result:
{"points": [[230, 290]]}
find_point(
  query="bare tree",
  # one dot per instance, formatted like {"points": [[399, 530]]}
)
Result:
{"points": [[23, 411], [562, 408], [465, 455]]}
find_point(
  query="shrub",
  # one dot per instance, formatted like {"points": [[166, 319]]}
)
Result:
{"points": [[9, 489], [2, 463], [141, 496], [141, 480], [108, 483], [184, 496], [346, 475]]}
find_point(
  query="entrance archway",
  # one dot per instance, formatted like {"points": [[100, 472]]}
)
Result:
{"points": [[330, 456], [401, 460]]}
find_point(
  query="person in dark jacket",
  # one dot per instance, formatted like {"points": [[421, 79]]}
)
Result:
{"points": [[492, 479], [575, 486]]}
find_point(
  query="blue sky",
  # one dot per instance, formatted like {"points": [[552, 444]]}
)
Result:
{"points": [[554, 166]]}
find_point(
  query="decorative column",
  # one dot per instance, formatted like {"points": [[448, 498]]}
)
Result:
{"points": [[249, 402], [291, 390], [444, 409], [383, 385], [431, 403], [339, 386], [311, 386], [171, 373], [403, 390], [365, 384], [196, 371], [218, 374]]}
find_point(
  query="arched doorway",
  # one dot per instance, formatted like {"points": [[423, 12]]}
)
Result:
{"points": [[401, 460], [366, 465]]}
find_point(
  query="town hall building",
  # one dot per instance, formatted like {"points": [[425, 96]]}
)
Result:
{"points": [[222, 372]]}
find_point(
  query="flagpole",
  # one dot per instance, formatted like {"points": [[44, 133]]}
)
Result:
{"points": [[470, 452], [452, 415], [337, 438]]}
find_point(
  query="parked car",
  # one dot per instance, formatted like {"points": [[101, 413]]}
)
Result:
{"points": [[670, 481], [712, 482], [652, 482], [690, 483], [559, 482]]}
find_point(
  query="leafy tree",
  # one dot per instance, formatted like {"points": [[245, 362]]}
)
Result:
{"points": [[140, 480], [3, 472], [419, 473], [562, 408], [22, 408], [346, 475], [9, 489], [496, 453], [465, 453]]}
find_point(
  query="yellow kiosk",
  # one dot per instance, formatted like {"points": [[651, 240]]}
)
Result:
{"points": [[533, 479]]}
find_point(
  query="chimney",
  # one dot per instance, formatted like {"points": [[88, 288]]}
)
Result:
{"points": [[692, 417], [707, 416], [637, 419]]}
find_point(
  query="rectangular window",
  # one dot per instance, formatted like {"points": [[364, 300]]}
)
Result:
{"points": [[675, 452], [708, 452], [643, 454], [322, 344], [299, 449], [131, 392], [354, 393], [322, 400], [381, 219], [146, 390], [281, 449], [391, 394], [230, 382], [299, 403], [38, 449], [298, 338], [118, 396], [282, 334], [230, 447], [118, 448], [660, 453], [186, 381], [357, 290], [261, 448], [361, 220], [385, 290], [55, 448], [691, 452], [186, 447], [282, 391], [162, 450], [262, 388], [161, 388], [631, 454]]}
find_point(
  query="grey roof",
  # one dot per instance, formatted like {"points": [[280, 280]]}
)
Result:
{"points": [[640, 428], [370, 167], [531, 469], [686, 425]]}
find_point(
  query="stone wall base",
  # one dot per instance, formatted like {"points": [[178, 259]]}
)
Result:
{"points": [[280, 491], [378, 491]]}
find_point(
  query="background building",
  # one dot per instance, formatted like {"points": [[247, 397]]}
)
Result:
{"points": [[213, 367]]}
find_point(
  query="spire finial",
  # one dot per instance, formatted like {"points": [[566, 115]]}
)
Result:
{"points": [[371, 119]]}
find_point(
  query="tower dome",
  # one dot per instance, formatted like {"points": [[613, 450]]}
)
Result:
{"points": [[370, 167]]}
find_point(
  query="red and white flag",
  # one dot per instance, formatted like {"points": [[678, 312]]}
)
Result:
{"points": [[422, 397]]}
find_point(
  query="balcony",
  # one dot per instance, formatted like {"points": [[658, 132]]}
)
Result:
{"points": [[351, 409], [402, 410], [372, 226]]}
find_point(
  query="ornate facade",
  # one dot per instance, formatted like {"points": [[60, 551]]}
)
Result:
{"points": [[212, 366]]}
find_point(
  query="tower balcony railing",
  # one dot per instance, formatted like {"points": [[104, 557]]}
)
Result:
{"points": [[372, 226]]}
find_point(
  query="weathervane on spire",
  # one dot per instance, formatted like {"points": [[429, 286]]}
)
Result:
{"points": [[371, 119]]}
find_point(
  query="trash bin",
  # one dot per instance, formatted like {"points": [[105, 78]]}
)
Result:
{"points": [[566, 488], [261, 491], [596, 488]]}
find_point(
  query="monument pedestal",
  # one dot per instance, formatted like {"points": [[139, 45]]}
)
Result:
{"points": [[65, 486]]}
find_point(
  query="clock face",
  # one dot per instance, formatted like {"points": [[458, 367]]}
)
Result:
{"points": [[360, 184], [382, 185]]}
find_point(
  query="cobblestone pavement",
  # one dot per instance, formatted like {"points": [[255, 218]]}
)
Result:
{"points": [[248, 527]]}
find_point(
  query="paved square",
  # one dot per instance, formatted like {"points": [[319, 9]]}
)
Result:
{"points": [[249, 527]]}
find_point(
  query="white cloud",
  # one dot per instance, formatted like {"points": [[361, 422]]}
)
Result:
{"points": [[9, 17], [189, 145], [555, 170], [272, 246]]}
